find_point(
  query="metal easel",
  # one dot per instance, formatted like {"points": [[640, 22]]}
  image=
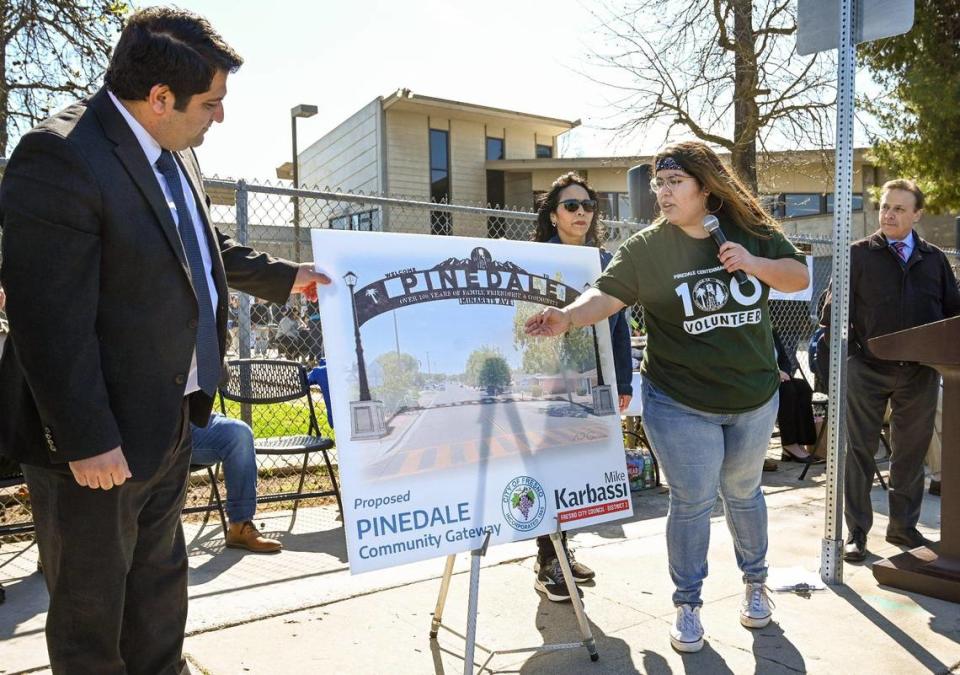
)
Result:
{"points": [[471, 636]]}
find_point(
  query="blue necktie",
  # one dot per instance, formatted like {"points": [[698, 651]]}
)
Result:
{"points": [[208, 349]]}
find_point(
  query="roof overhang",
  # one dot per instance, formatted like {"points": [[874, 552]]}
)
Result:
{"points": [[587, 163], [565, 163], [406, 101]]}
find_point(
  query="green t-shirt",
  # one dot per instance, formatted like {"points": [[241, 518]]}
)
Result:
{"points": [[709, 341]]}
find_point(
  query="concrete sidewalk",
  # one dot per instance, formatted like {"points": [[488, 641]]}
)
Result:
{"points": [[301, 610]]}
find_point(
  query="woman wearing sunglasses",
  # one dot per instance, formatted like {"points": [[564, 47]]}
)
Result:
{"points": [[710, 373], [568, 214]]}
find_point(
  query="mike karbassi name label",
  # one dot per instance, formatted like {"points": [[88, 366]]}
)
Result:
{"points": [[587, 500]]}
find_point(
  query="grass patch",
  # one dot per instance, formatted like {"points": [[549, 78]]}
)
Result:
{"points": [[282, 419]]}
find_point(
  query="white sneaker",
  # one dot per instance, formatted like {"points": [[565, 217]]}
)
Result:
{"points": [[686, 633], [756, 608]]}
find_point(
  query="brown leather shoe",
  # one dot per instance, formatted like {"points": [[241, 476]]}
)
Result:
{"points": [[246, 535]]}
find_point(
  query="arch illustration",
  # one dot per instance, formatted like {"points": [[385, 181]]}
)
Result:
{"points": [[478, 279]]}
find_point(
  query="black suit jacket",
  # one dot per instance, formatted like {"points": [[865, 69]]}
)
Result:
{"points": [[102, 311], [887, 295]]}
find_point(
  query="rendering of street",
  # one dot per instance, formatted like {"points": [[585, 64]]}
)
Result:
{"points": [[457, 425]]}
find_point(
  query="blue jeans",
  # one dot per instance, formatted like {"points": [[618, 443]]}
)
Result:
{"points": [[230, 442], [702, 454]]}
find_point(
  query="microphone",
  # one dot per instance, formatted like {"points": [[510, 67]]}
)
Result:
{"points": [[712, 226]]}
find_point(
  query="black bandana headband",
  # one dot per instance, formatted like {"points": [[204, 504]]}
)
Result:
{"points": [[669, 163]]}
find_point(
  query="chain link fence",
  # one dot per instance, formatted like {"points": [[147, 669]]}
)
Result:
{"points": [[262, 216]]}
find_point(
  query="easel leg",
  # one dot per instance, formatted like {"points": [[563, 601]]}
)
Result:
{"points": [[442, 598], [472, 603], [585, 631]]}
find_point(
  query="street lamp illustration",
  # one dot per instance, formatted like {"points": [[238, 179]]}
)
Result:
{"points": [[366, 416], [602, 393], [351, 280]]}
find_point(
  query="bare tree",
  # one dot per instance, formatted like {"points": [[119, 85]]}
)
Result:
{"points": [[51, 51], [724, 70]]}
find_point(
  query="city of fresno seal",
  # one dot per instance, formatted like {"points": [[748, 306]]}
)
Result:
{"points": [[524, 503]]}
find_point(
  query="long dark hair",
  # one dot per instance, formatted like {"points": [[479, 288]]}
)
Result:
{"points": [[728, 195], [550, 201]]}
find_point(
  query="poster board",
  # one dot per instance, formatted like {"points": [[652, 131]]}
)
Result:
{"points": [[450, 422]]}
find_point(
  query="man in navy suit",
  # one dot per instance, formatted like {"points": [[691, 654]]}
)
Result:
{"points": [[117, 299]]}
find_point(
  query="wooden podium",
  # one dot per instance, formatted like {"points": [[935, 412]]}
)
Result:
{"points": [[934, 572]]}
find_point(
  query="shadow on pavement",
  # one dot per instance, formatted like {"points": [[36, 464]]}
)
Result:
{"points": [[943, 614], [771, 646], [900, 637], [209, 542], [26, 598], [557, 623]]}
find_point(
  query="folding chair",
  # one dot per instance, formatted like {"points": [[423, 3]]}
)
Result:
{"points": [[263, 381], [212, 471]]}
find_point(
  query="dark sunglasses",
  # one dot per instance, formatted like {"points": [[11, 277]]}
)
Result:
{"points": [[573, 205]]}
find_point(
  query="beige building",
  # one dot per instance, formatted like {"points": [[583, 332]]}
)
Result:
{"points": [[433, 149]]}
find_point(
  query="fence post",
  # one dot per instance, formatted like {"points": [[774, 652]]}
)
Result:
{"points": [[242, 198]]}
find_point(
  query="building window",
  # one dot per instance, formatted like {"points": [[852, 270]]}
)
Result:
{"points": [[496, 188], [544, 151], [495, 148], [365, 221], [857, 202], [607, 205], [797, 205], [803, 204], [623, 206], [771, 203], [614, 205], [440, 180]]}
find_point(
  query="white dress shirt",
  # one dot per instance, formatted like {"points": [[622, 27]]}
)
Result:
{"points": [[152, 150]]}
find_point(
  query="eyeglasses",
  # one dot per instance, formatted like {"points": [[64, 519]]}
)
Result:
{"points": [[574, 205], [672, 182]]}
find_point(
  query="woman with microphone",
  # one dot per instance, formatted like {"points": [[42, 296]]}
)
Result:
{"points": [[710, 372]]}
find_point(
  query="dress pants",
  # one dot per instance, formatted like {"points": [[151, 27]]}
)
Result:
{"points": [[911, 390], [934, 452], [115, 565], [795, 414]]}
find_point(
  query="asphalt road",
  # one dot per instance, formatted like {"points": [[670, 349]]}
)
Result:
{"points": [[461, 425]]}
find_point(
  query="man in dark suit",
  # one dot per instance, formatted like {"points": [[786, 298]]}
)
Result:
{"points": [[897, 281], [117, 299]]}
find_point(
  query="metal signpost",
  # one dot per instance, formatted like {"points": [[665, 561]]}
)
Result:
{"points": [[841, 25], [820, 22]]}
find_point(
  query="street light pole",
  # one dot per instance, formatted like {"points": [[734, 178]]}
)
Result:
{"points": [[396, 332], [302, 110]]}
